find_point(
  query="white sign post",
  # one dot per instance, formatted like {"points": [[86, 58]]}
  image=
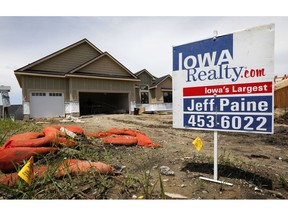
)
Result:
{"points": [[225, 83]]}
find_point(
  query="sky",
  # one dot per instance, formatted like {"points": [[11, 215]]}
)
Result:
{"points": [[138, 42], [139, 35]]}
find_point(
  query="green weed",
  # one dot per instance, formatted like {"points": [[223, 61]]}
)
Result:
{"points": [[225, 159], [7, 127], [147, 186], [283, 181], [162, 192]]}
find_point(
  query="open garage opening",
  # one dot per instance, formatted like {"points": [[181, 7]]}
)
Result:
{"points": [[103, 103]]}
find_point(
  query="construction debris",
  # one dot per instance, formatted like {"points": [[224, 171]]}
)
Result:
{"points": [[70, 118], [175, 196], [165, 170]]}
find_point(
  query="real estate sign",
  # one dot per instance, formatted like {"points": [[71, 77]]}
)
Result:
{"points": [[225, 83]]}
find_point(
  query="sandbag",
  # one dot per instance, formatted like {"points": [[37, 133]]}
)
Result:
{"points": [[120, 140], [124, 136], [73, 128], [99, 134], [29, 139], [122, 131], [9, 179], [145, 141], [11, 158], [73, 166], [68, 166], [58, 137]]}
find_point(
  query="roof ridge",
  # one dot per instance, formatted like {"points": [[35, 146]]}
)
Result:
{"points": [[57, 53]]}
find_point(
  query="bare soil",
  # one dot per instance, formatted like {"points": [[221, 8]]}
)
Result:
{"points": [[256, 164]]}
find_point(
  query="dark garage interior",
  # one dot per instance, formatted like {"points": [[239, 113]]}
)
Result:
{"points": [[103, 103]]}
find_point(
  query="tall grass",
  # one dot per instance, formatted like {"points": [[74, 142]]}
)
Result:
{"points": [[7, 127]]}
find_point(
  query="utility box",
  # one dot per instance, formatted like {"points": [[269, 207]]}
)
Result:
{"points": [[5, 100], [5, 88], [136, 111]]}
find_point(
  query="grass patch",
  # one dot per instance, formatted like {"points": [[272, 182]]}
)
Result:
{"points": [[90, 185], [8, 128]]}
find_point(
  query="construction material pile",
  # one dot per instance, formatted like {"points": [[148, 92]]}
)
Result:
{"points": [[21, 147]]}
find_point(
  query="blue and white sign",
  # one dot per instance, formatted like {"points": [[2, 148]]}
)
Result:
{"points": [[226, 83]]}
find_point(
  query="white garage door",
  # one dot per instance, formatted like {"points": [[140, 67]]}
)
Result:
{"points": [[46, 104]]}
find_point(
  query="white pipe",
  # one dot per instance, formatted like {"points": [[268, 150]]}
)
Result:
{"points": [[216, 181]]}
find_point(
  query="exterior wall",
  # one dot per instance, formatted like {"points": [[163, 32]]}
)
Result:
{"points": [[69, 59], [153, 97], [104, 65], [75, 85], [166, 84], [35, 83], [100, 85], [281, 98], [72, 86], [156, 107], [137, 95], [145, 79], [72, 58], [156, 99]]}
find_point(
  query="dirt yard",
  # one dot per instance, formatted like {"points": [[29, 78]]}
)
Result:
{"points": [[256, 164]]}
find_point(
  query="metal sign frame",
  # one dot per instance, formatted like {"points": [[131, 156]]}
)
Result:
{"points": [[239, 69], [225, 83]]}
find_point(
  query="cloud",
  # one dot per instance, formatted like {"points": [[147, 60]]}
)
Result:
{"points": [[137, 42]]}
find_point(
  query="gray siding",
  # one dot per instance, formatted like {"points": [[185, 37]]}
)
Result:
{"points": [[167, 84], [105, 65], [153, 98], [99, 85], [69, 59], [33, 83], [145, 79], [137, 95]]}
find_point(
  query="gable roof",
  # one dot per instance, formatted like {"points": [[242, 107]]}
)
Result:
{"points": [[145, 71], [32, 69], [57, 53], [99, 57], [160, 80]]}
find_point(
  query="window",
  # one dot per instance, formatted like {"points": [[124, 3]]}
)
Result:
{"points": [[144, 97], [38, 94], [44, 94], [144, 87], [167, 97], [55, 94]]}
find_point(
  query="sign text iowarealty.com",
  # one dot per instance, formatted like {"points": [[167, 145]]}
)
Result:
{"points": [[225, 83]]}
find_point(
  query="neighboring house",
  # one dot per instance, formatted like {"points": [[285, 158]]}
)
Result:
{"points": [[14, 111], [152, 93], [281, 94], [80, 79]]}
